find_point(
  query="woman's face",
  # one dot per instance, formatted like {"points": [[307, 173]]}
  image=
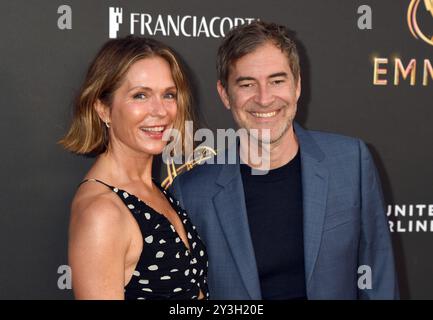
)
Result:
{"points": [[143, 107]]}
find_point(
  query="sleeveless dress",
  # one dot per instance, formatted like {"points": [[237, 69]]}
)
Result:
{"points": [[166, 268]]}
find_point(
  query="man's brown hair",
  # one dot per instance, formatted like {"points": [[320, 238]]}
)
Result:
{"points": [[246, 38]]}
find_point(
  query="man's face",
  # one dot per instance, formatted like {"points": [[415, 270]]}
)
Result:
{"points": [[261, 91]]}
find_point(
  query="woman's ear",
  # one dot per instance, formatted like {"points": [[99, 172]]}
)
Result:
{"points": [[103, 112]]}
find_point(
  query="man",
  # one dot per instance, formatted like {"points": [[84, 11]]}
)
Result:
{"points": [[314, 226]]}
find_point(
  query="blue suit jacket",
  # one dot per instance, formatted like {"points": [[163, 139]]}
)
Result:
{"points": [[345, 225]]}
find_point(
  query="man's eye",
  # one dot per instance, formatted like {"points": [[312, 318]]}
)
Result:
{"points": [[140, 96], [246, 85], [278, 81]]}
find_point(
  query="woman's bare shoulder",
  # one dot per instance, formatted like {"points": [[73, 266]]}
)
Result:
{"points": [[96, 205]]}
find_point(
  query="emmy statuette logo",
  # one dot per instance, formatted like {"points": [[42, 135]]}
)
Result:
{"points": [[413, 20]]}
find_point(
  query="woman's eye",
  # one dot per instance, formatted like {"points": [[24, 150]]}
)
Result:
{"points": [[140, 96], [170, 95]]}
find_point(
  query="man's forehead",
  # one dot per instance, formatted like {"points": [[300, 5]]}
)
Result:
{"points": [[267, 58], [260, 69]]}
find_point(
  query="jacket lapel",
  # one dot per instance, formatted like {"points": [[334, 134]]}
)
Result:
{"points": [[229, 203], [315, 191]]}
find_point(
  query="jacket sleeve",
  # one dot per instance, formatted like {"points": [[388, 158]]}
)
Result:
{"points": [[375, 249]]}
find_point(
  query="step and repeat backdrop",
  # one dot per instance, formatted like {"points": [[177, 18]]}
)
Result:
{"points": [[366, 72]]}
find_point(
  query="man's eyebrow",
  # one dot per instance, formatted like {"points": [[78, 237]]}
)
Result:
{"points": [[239, 79], [279, 74], [274, 75]]}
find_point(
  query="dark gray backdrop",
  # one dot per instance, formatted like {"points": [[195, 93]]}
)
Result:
{"points": [[42, 67]]}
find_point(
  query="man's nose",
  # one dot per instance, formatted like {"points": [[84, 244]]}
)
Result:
{"points": [[264, 96]]}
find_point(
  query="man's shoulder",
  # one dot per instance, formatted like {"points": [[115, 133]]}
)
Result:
{"points": [[331, 138], [200, 175], [332, 144]]}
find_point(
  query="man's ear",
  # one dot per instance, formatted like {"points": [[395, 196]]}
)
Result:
{"points": [[223, 94], [298, 88], [103, 111]]}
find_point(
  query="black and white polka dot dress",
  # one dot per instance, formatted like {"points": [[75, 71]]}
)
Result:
{"points": [[166, 268]]}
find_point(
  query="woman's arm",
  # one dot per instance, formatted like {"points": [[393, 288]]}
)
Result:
{"points": [[97, 246]]}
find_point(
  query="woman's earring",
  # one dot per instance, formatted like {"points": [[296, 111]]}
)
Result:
{"points": [[107, 124]]}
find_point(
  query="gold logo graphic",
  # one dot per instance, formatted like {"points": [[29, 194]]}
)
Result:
{"points": [[412, 20], [200, 155]]}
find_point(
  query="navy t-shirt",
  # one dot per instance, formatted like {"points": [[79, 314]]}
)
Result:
{"points": [[275, 216]]}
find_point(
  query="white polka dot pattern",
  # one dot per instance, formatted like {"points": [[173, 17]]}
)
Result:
{"points": [[166, 269]]}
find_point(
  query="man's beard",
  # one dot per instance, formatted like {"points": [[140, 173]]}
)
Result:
{"points": [[269, 140]]}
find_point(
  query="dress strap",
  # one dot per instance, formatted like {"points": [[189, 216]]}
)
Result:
{"points": [[96, 180]]}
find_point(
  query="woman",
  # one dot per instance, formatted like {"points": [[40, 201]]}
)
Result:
{"points": [[128, 237]]}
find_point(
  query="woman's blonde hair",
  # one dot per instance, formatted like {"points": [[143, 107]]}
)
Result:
{"points": [[88, 134]]}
